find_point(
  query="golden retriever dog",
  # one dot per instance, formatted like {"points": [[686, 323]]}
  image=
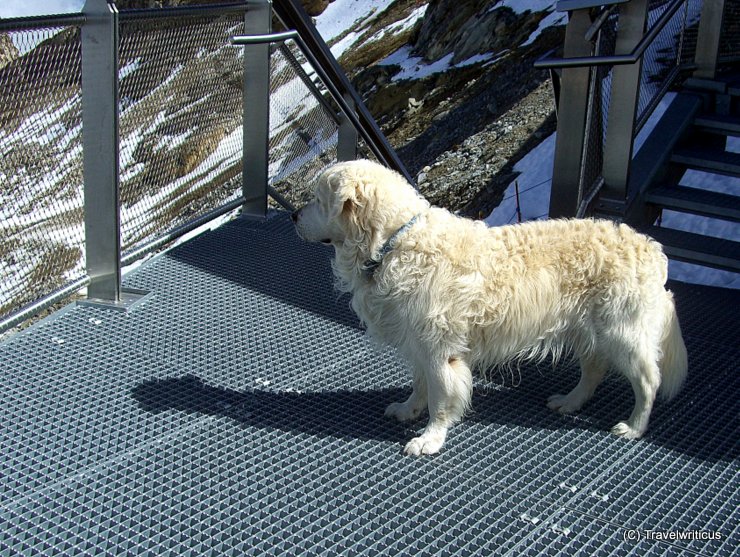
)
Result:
{"points": [[454, 295]]}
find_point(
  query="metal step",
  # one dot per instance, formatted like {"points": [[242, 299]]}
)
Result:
{"points": [[696, 201], [733, 88], [697, 248], [658, 148], [720, 162], [722, 125], [718, 86]]}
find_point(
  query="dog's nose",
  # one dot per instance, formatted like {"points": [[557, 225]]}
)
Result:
{"points": [[294, 216]]}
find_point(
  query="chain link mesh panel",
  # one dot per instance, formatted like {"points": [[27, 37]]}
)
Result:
{"points": [[690, 32], [674, 46], [303, 125], [180, 122], [598, 109], [41, 196], [729, 44], [661, 61]]}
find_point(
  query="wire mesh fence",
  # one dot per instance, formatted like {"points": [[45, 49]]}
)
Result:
{"points": [[598, 108], [662, 60], [729, 44], [180, 121], [41, 202], [303, 125], [661, 63], [181, 132]]}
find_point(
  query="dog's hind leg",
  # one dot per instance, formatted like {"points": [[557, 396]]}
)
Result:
{"points": [[449, 389], [643, 373], [593, 368]]}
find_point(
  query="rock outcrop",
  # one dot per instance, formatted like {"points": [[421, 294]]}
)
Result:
{"points": [[8, 51], [465, 29]]}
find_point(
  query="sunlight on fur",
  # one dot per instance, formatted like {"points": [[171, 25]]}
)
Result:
{"points": [[454, 295]]}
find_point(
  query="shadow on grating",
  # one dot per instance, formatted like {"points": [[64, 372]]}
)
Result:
{"points": [[274, 262], [240, 411]]}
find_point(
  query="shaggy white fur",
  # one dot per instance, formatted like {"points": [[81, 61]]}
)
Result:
{"points": [[454, 295]]}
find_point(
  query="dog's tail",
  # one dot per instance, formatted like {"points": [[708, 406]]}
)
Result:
{"points": [[674, 362]]}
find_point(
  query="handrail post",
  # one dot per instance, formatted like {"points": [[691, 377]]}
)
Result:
{"points": [[99, 36], [347, 135], [625, 92], [569, 141], [256, 107], [707, 41]]}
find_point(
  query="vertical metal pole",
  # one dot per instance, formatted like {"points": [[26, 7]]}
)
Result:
{"points": [[574, 87], [707, 41], [100, 149], [257, 21], [625, 93], [347, 140]]}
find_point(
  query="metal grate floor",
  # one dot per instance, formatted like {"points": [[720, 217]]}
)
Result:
{"points": [[239, 410]]}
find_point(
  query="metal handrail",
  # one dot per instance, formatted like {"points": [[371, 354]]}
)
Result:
{"points": [[267, 38], [26, 23], [202, 10], [292, 16], [336, 94], [633, 57], [26, 312]]}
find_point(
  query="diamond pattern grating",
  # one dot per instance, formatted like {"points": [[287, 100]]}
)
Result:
{"points": [[239, 410]]}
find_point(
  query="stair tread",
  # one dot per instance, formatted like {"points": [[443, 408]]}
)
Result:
{"points": [[718, 123], [697, 248], [694, 200], [710, 159]]}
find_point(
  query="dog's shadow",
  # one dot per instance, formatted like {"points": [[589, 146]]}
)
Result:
{"points": [[354, 414], [332, 413], [346, 414]]}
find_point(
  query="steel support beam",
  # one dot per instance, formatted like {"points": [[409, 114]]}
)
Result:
{"points": [[257, 21], [569, 141], [707, 41], [347, 135], [100, 149], [625, 94]]}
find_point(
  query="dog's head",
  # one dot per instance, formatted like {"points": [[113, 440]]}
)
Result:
{"points": [[357, 202]]}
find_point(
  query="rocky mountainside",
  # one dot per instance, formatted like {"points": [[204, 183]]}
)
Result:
{"points": [[459, 130]]}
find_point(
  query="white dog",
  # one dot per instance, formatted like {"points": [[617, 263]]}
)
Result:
{"points": [[454, 295]]}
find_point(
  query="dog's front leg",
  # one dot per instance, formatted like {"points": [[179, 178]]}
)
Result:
{"points": [[413, 406], [449, 388]]}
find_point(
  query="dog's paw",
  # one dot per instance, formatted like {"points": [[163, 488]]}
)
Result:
{"points": [[623, 429], [563, 404], [402, 411], [426, 444]]}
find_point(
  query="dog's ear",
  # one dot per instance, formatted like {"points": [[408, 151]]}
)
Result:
{"points": [[347, 197], [354, 198], [342, 200]]}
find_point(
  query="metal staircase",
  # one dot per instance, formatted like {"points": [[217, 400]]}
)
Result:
{"points": [[702, 147], [619, 61]]}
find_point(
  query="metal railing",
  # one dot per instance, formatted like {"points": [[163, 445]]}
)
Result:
{"points": [[619, 60], [122, 131]]}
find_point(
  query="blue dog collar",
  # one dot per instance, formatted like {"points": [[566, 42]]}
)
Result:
{"points": [[370, 266]]}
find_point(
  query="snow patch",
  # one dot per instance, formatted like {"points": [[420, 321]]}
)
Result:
{"points": [[521, 6], [341, 15], [534, 181], [414, 67], [550, 20]]}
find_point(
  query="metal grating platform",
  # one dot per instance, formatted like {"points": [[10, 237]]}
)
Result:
{"points": [[238, 410]]}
